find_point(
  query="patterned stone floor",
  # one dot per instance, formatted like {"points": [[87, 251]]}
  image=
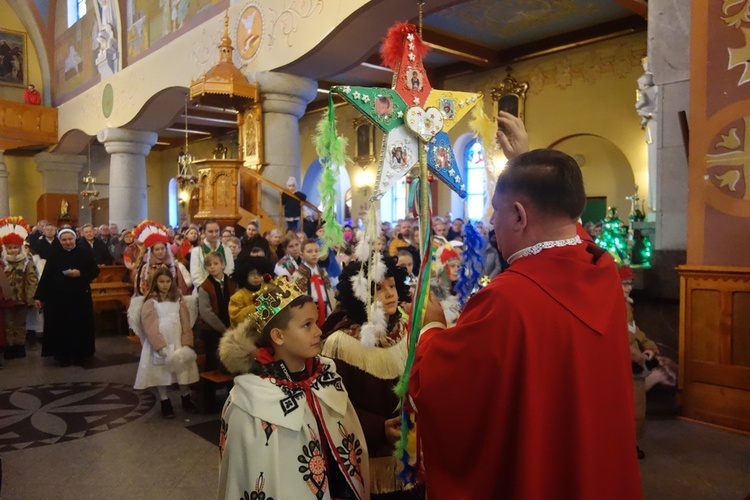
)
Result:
{"points": [[74, 433], [56, 413]]}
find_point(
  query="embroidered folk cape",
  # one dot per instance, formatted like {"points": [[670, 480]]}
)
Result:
{"points": [[286, 439], [530, 395]]}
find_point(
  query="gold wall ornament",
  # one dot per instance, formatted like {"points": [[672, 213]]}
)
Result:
{"points": [[510, 96], [251, 136]]}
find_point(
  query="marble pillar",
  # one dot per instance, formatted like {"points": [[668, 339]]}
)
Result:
{"points": [[4, 198], [128, 203], [60, 172], [60, 186], [669, 61], [285, 98]]}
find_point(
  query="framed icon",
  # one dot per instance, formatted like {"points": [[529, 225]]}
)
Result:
{"points": [[365, 141], [510, 97]]}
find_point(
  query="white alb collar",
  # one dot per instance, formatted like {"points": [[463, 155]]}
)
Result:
{"points": [[535, 249]]}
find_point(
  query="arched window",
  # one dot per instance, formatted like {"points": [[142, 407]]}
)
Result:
{"points": [[76, 10], [173, 203], [393, 203], [476, 180]]}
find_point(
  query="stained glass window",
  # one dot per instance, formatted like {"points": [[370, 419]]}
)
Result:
{"points": [[476, 198]]}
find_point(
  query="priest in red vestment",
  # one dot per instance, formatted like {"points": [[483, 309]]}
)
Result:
{"points": [[530, 395]]}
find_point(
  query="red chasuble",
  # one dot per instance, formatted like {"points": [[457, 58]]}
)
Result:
{"points": [[530, 395]]}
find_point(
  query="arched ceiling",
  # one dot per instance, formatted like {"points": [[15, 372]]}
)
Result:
{"points": [[464, 35]]}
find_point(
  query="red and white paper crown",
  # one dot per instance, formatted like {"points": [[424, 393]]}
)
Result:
{"points": [[13, 231], [150, 233]]}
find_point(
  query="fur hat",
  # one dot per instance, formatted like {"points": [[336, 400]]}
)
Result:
{"points": [[351, 308], [245, 265], [238, 346]]}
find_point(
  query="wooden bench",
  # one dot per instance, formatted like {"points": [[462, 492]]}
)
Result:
{"points": [[210, 382]]}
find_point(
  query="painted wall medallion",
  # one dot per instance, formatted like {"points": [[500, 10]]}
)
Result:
{"points": [[108, 100], [249, 32], [728, 160]]}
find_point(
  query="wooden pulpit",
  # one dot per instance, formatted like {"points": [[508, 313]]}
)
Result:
{"points": [[219, 187]]}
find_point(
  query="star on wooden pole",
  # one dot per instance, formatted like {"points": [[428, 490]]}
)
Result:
{"points": [[416, 120]]}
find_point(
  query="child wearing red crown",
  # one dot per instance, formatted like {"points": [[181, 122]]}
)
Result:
{"points": [[154, 239], [22, 280], [288, 429], [445, 269]]}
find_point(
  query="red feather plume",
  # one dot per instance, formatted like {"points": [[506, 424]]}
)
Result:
{"points": [[392, 49]]}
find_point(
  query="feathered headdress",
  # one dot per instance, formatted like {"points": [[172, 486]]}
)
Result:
{"points": [[150, 233], [13, 231], [443, 254]]}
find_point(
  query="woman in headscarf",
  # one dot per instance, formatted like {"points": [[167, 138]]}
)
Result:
{"points": [[65, 294], [370, 355]]}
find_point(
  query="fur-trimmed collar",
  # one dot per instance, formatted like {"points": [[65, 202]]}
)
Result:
{"points": [[381, 362]]}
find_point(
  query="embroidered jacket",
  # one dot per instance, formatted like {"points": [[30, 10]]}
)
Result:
{"points": [[22, 278], [303, 276], [289, 436], [286, 266]]}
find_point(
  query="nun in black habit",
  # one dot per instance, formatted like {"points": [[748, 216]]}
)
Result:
{"points": [[65, 294]]}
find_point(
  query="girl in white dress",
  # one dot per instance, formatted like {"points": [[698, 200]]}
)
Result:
{"points": [[164, 325]]}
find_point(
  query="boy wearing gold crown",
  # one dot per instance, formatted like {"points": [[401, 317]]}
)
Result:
{"points": [[288, 429], [22, 281]]}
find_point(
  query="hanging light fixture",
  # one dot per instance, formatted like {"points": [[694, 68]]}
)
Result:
{"points": [[186, 179], [89, 194]]}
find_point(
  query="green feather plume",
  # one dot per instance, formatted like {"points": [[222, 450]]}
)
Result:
{"points": [[331, 149]]}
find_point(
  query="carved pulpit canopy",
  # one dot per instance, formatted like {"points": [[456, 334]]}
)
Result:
{"points": [[224, 85]]}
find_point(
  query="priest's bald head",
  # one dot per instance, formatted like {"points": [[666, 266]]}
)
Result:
{"points": [[538, 197]]}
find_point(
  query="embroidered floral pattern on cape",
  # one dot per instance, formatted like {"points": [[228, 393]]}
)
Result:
{"points": [[313, 468], [351, 452], [257, 493]]}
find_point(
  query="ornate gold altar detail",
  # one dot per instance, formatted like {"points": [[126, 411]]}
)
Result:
{"points": [[224, 86]]}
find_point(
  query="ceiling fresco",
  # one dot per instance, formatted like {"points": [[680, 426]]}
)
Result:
{"points": [[500, 24]]}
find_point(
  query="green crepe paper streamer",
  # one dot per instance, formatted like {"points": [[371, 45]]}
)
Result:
{"points": [[413, 195], [331, 150], [417, 318]]}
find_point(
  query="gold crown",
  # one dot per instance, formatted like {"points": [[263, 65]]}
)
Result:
{"points": [[274, 295]]}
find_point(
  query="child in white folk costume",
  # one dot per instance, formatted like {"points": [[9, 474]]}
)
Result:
{"points": [[21, 283], [288, 429], [445, 269], [163, 320], [314, 281]]}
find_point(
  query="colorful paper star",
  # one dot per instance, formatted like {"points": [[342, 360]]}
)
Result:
{"points": [[409, 113]]}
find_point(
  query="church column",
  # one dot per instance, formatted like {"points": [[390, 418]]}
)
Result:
{"points": [[4, 198], [669, 61], [60, 186], [285, 98], [128, 203]]}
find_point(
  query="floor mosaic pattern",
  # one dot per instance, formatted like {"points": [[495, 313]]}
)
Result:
{"points": [[55, 413]]}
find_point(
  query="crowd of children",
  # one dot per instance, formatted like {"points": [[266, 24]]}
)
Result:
{"points": [[265, 309]]}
